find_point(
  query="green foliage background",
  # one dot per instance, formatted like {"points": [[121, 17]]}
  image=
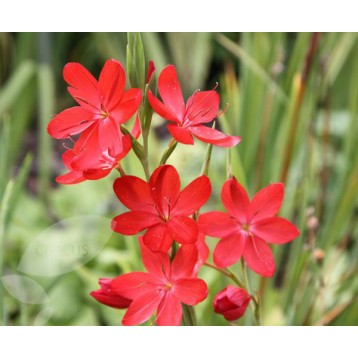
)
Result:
{"points": [[293, 100]]}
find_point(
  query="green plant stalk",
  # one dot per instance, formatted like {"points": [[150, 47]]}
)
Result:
{"points": [[226, 272], [168, 152], [254, 303], [46, 108], [145, 160], [189, 316], [5, 204]]}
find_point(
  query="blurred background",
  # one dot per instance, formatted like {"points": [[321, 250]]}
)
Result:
{"points": [[293, 98]]}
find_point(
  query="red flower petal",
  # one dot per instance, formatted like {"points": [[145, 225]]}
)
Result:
{"points": [[235, 200], [193, 196], [109, 136], [266, 202], [120, 149], [217, 224], [213, 136], [107, 297], [114, 301], [169, 311], [95, 174], [141, 309], [157, 238], [170, 91], [151, 69], [161, 109], [184, 262], [134, 193], [258, 257], [202, 107], [204, 252], [228, 251], [67, 158], [156, 263], [183, 229], [164, 186], [128, 105], [112, 81], [84, 87], [133, 285], [180, 134], [136, 130], [275, 230], [87, 149], [133, 222], [73, 177], [190, 291], [71, 121]]}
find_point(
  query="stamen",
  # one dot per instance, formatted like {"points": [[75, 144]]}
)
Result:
{"points": [[65, 146], [202, 112], [224, 110], [83, 100]]}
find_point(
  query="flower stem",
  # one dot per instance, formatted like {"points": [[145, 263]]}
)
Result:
{"points": [[120, 170], [171, 146], [255, 303], [227, 273], [189, 316], [145, 161]]}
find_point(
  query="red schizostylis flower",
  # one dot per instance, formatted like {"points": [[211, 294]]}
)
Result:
{"points": [[99, 166], [188, 119], [160, 207], [103, 106], [248, 227], [162, 289], [231, 302]]}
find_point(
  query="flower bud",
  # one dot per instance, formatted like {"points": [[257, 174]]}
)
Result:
{"points": [[231, 302], [107, 297]]}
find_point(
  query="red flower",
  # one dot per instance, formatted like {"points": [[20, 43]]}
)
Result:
{"points": [[231, 302], [201, 107], [160, 207], [248, 226], [106, 296], [103, 106], [162, 289], [99, 166]]}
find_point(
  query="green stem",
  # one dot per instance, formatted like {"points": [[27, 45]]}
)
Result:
{"points": [[3, 214], [227, 273], [171, 146], [145, 161], [120, 170], [189, 316], [254, 303]]}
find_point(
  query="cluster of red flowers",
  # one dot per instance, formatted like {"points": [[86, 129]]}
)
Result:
{"points": [[173, 243]]}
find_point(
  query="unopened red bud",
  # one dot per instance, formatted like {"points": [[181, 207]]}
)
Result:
{"points": [[231, 302]]}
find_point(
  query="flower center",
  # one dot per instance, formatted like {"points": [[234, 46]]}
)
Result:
{"points": [[164, 209], [104, 114], [245, 227]]}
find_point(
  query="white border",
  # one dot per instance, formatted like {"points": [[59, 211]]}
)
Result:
{"points": [[277, 342], [183, 15]]}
